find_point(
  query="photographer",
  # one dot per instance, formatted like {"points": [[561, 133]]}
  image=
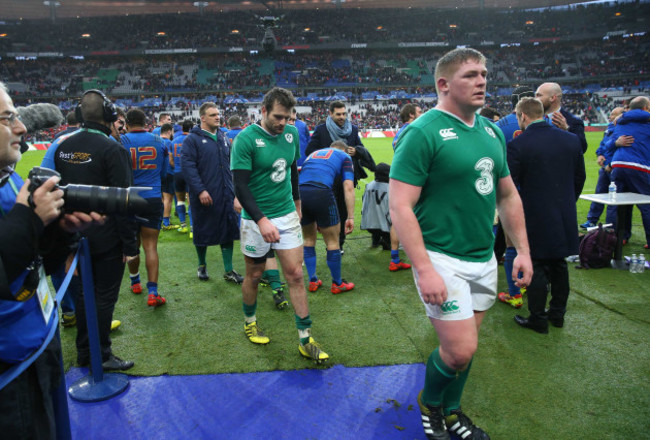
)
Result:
{"points": [[92, 157], [28, 229]]}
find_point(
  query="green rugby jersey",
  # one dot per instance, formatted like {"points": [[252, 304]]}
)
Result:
{"points": [[458, 168], [269, 159]]}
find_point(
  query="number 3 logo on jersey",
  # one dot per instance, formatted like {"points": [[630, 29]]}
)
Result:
{"points": [[485, 184], [279, 170]]}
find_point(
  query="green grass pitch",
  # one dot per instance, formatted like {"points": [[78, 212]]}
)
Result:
{"points": [[587, 380]]}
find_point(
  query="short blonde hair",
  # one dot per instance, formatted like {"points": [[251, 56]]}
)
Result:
{"points": [[531, 107], [448, 64]]}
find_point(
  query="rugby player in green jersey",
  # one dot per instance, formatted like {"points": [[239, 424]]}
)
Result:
{"points": [[448, 173]]}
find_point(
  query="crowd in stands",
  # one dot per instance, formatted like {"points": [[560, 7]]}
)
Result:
{"points": [[617, 62], [299, 27], [377, 81]]}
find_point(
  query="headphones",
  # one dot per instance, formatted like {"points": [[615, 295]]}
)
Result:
{"points": [[109, 112]]}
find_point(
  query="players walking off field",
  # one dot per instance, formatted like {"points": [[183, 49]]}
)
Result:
{"points": [[266, 183], [448, 173], [205, 161], [149, 160], [319, 209]]}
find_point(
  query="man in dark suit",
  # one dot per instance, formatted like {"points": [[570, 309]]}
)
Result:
{"points": [[547, 165], [551, 96], [338, 127]]}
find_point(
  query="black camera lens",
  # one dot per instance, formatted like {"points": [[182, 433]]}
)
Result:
{"points": [[104, 199]]}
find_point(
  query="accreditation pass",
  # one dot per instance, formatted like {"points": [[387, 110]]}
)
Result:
{"points": [[44, 296]]}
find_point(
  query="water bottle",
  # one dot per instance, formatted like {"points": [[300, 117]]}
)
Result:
{"points": [[612, 191], [641, 267], [633, 263]]}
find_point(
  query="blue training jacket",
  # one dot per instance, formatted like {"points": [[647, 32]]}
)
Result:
{"points": [[634, 123]]}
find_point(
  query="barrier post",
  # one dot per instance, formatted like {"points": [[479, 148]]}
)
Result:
{"points": [[97, 386], [60, 399]]}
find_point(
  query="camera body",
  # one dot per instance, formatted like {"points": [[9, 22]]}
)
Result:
{"points": [[91, 198]]}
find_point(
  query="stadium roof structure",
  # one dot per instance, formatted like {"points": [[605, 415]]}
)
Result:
{"points": [[39, 9]]}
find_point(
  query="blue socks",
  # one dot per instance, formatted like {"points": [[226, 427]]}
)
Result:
{"points": [[166, 221], [334, 263], [394, 256], [135, 279], [309, 253], [180, 209], [511, 254], [152, 288]]}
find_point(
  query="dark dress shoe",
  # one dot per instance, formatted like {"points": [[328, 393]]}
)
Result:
{"points": [[114, 363], [525, 323], [556, 322]]}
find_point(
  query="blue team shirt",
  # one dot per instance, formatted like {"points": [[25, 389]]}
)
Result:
{"points": [[148, 159], [232, 133], [177, 151], [398, 133], [303, 135], [323, 166], [509, 127], [50, 154], [169, 147]]}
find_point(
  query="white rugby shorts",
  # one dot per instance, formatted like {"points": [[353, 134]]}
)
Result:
{"points": [[470, 286], [253, 244]]}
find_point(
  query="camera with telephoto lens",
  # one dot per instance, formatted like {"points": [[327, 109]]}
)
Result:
{"points": [[90, 198]]}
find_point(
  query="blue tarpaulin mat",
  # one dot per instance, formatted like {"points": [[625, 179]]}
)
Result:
{"points": [[335, 403]]}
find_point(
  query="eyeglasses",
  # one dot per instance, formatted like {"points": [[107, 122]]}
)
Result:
{"points": [[11, 119]]}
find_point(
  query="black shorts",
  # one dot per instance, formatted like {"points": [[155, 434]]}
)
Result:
{"points": [[152, 217], [179, 183], [318, 205], [167, 184]]}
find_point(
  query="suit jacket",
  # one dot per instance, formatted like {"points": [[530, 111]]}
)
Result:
{"points": [[577, 127], [547, 165], [321, 139]]}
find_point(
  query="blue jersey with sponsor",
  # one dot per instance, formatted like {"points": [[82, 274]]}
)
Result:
{"points": [[323, 166], [148, 159], [177, 151]]}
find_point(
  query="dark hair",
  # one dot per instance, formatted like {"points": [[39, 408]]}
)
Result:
{"points": [[234, 121], [71, 119], [278, 95], [520, 92], [135, 118], [166, 127], [407, 111], [382, 172], [187, 125], [489, 113], [162, 115], [335, 105]]}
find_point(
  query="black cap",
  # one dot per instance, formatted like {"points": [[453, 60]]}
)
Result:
{"points": [[520, 92]]}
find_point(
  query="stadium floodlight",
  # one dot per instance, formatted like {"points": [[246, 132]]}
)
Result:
{"points": [[52, 5], [201, 6]]}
